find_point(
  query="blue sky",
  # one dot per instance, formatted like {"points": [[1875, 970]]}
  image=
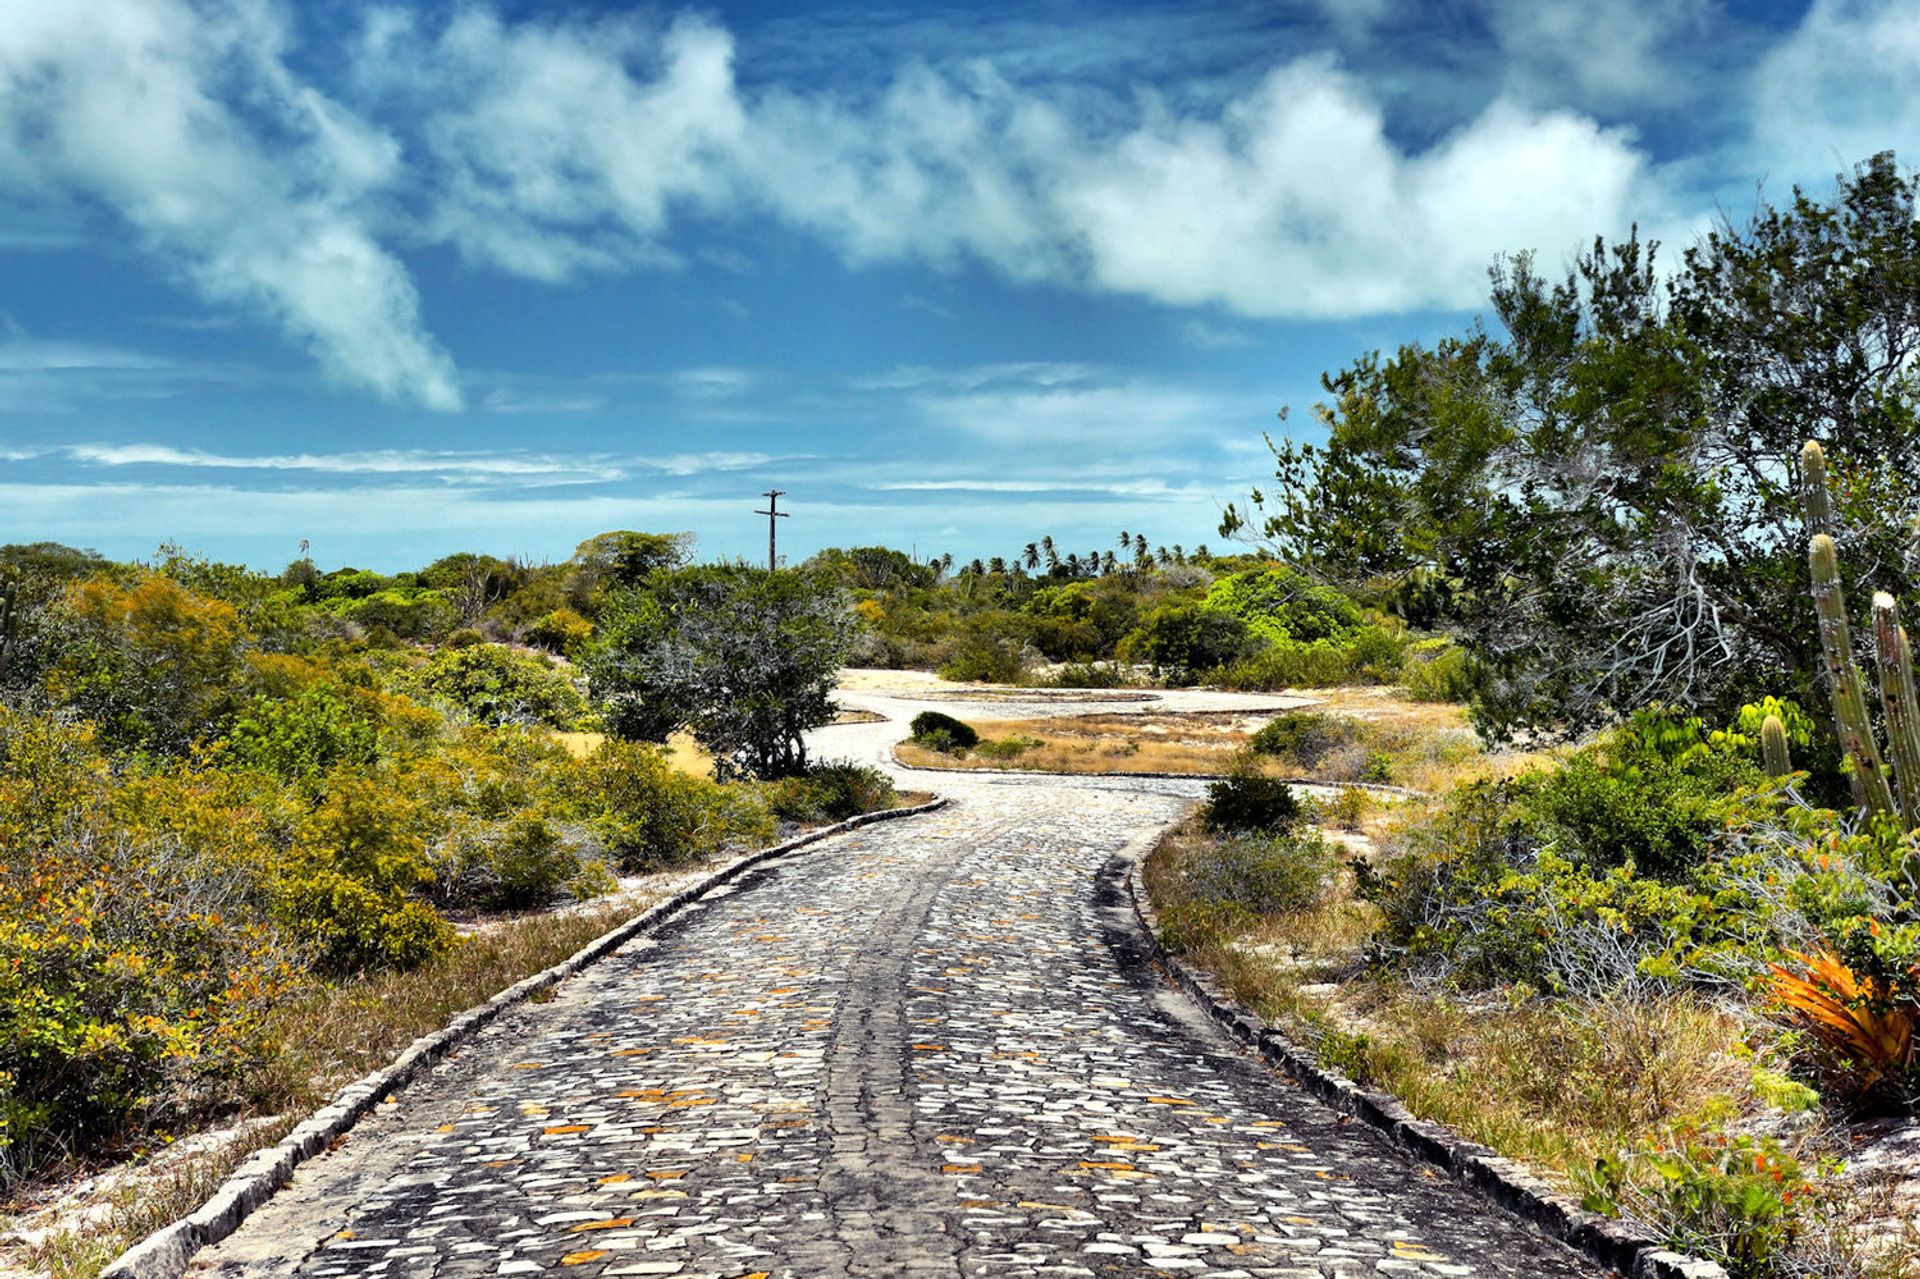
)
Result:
{"points": [[401, 279]]}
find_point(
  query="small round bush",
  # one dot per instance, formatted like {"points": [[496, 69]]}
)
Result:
{"points": [[1263, 874], [830, 792], [1306, 739], [959, 736], [1252, 802]]}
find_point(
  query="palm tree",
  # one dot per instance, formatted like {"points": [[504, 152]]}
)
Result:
{"points": [[1031, 556], [1107, 562], [1162, 554], [1126, 540], [1179, 554], [1201, 552], [997, 565], [1049, 553], [1140, 548], [975, 567]]}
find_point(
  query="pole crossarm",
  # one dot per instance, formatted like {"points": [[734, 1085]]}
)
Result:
{"points": [[773, 512]]}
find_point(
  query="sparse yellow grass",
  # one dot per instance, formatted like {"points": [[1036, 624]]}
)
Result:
{"points": [[1430, 745], [684, 755]]}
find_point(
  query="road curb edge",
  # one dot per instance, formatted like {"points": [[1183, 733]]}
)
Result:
{"points": [[168, 1251], [1505, 1181]]}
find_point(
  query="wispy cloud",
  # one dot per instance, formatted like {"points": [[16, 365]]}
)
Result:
{"points": [[446, 465], [1202, 336], [503, 466], [504, 400]]}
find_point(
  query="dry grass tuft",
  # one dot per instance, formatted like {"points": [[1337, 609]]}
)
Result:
{"points": [[337, 1034], [142, 1204]]}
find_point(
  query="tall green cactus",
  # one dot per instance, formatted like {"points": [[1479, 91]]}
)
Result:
{"points": [[1773, 747], [1813, 489], [1844, 683], [1899, 701], [1893, 655]]}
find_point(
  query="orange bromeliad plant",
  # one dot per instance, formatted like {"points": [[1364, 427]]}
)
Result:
{"points": [[1854, 1019]]}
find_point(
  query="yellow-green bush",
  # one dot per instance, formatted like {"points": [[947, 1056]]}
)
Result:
{"points": [[130, 984], [650, 816]]}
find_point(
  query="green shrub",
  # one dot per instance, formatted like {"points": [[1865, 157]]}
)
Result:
{"points": [[493, 684], [958, 736], [1739, 1200], [830, 792], [348, 884], [407, 614], [1305, 737], [992, 647], [1437, 671], [1319, 664], [1088, 675], [515, 864], [301, 737], [353, 926], [1190, 926], [1006, 747], [650, 816], [1651, 795], [133, 982], [1280, 604], [1180, 640], [1267, 874], [561, 631], [1249, 801]]}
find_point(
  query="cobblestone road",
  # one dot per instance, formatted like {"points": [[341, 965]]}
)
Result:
{"points": [[922, 1049]]}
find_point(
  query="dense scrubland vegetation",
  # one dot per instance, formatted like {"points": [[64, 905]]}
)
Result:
{"points": [[1145, 616], [235, 806], [1671, 953]]}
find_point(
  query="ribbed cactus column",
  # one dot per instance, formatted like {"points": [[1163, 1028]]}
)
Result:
{"points": [[1773, 747], [1850, 719], [1898, 698], [1813, 489]]}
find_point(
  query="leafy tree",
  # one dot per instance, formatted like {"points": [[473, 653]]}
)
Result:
{"points": [[153, 665], [743, 657], [1181, 640], [1279, 603], [622, 558], [1601, 500], [872, 568]]}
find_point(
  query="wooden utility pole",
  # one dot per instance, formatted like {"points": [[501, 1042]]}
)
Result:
{"points": [[773, 513]]}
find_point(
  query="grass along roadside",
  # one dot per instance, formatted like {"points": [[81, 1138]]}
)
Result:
{"points": [[328, 1037], [1560, 1083]]}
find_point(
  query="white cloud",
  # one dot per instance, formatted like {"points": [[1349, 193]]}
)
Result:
{"points": [[1605, 53], [446, 465], [546, 154], [506, 467], [1838, 89], [505, 400], [127, 103], [548, 148], [713, 382]]}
